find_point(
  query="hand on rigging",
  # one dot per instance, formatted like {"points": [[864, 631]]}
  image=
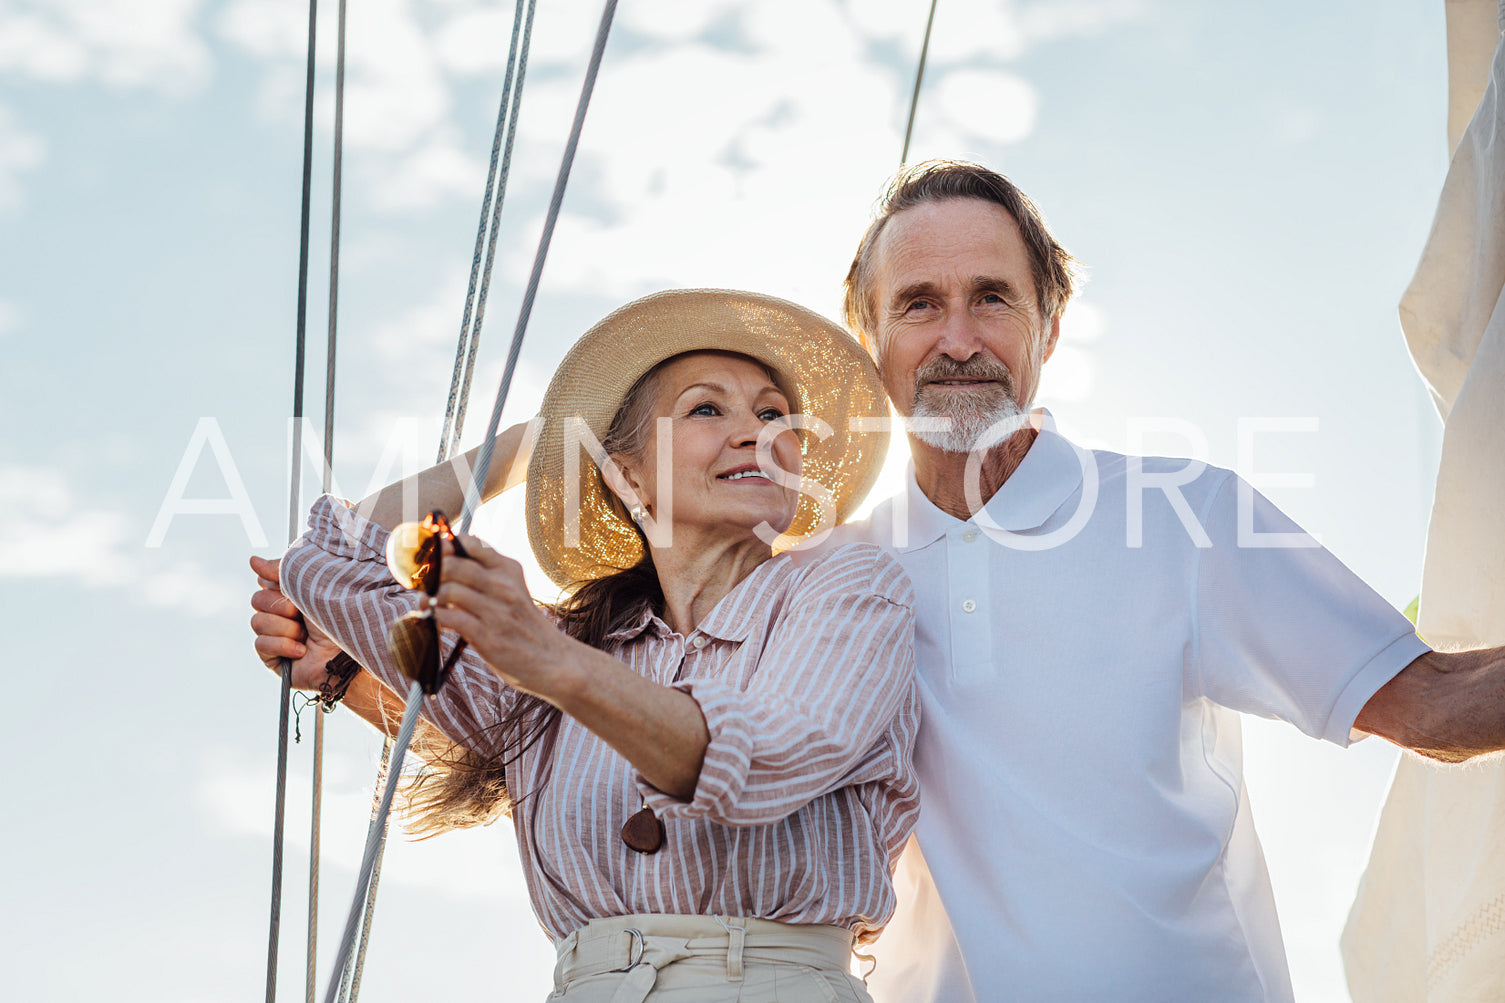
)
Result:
{"points": [[282, 632]]}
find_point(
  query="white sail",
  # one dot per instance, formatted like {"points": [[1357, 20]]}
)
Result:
{"points": [[1428, 923]]}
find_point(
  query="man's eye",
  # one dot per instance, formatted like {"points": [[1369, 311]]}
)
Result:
{"points": [[920, 305], [993, 298]]}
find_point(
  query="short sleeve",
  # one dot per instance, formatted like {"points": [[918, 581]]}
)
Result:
{"points": [[1283, 628]]}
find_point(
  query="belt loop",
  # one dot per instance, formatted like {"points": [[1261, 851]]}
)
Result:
{"points": [[565, 948], [736, 933]]}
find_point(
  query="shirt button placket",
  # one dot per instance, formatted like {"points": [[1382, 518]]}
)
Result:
{"points": [[967, 556]]}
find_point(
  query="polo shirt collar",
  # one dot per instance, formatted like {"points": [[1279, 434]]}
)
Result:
{"points": [[1045, 479]]}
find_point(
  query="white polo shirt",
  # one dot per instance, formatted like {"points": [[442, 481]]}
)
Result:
{"points": [[1083, 812]]}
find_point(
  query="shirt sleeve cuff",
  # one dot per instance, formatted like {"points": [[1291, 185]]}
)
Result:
{"points": [[1380, 669], [336, 528], [728, 757]]}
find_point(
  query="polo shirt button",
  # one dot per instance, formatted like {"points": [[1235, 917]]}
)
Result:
{"points": [[699, 641], [968, 606], [970, 536]]}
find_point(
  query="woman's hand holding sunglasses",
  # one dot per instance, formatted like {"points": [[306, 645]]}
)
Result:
{"points": [[484, 597]]}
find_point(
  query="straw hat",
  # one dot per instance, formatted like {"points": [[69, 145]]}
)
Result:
{"points": [[828, 374]]}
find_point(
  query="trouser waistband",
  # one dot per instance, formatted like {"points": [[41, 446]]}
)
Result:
{"points": [[639, 946]]}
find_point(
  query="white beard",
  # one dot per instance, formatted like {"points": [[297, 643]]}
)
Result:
{"points": [[969, 420]]}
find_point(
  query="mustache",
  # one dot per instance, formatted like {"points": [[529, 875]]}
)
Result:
{"points": [[979, 367]]}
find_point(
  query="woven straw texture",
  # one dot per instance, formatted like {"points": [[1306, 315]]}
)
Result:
{"points": [[829, 374]]}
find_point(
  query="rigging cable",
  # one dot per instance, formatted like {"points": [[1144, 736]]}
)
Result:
{"points": [[488, 442], [478, 476], [454, 411], [280, 818], [914, 100], [459, 390], [327, 483]]}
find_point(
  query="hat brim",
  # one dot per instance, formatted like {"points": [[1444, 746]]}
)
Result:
{"points": [[829, 374]]}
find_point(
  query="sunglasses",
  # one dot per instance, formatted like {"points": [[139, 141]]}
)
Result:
{"points": [[415, 551]]}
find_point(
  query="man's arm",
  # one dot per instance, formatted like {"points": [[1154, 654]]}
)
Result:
{"points": [[1448, 706]]}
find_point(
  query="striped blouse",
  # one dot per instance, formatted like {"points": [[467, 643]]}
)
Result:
{"points": [[805, 676]]}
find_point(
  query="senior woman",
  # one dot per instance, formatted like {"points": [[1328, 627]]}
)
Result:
{"points": [[705, 748]]}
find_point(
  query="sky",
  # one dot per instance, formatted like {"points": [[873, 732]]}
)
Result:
{"points": [[1249, 184]]}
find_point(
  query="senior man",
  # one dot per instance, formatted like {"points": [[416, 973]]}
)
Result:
{"points": [[1088, 625]]}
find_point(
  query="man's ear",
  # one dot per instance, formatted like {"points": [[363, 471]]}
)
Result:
{"points": [[1052, 338]]}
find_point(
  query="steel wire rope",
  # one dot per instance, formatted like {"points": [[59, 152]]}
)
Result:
{"points": [[488, 442], [455, 409], [316, 807], [280, 814], [459, 390], [478, 475], [914, 100], [350, 982]]}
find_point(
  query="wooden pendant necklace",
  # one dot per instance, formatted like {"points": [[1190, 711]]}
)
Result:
{"points": [[644, 831]]}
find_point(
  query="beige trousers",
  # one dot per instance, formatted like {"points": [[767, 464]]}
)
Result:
{"points": [[705, 959]]}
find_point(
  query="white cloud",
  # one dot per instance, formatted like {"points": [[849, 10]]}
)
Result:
{"points": [[753, 166], [895, 20], [674, 20], [1082, 323], [1067, 376], [974, 32], [995, 106], [1002, 31], [426, 176], [476, 864], [98, 548], [475, 41], [1042, 21], [142, 45], [20, 151], [270, 29], [395, 93], [187, 586], [740, 180]]}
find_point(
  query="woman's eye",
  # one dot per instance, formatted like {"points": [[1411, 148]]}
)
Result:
{"points": [[704, 409], [770, 414]]}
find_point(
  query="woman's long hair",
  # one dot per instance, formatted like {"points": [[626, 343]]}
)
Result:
{"points": [[464, 784]]}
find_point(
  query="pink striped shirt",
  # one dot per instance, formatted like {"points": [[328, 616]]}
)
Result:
{"points": [[805, 676]]}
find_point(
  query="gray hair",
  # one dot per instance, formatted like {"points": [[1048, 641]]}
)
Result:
{"points": [[1053, 269]]}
